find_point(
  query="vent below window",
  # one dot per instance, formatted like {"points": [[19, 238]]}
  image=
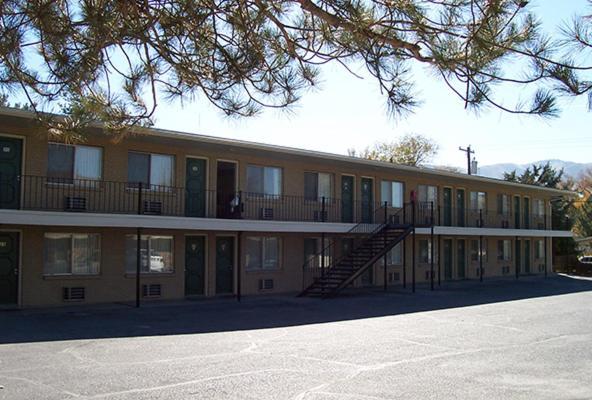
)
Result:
{"points": [[75, 203], [265, 284], [152, 290], [266, 213], [152, 207], [73, 294]]}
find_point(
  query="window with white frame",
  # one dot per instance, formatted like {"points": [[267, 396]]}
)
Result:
{"points": [[391, 192], [67, 163], [503, 204], [318, 185], [152, 170], [425, 251], [427, 194], [475, 250], [264, 180], [478, 200], [504, 250], [312, 252], [156, 254], [262, 253], [538, 207], [72, 254], [395, 255]]}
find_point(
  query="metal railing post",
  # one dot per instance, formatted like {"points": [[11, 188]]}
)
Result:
{"points": [[413, 248], [480, 258], [139, 248], [385, 243], [432, 246]]}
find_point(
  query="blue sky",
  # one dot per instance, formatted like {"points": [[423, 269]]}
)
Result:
{"points": [[346, 112]]}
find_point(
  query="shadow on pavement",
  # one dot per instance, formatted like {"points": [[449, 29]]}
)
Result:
{"points": [[222, 315]]}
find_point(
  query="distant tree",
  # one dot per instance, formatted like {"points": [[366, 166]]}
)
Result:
{"points": [[583, 207], [539, 175], [411, 149]]}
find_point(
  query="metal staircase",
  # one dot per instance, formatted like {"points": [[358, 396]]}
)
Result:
{"points": [[326, 276]]}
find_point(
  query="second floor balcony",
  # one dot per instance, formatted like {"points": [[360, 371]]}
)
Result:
{"points": [[42, 193]]}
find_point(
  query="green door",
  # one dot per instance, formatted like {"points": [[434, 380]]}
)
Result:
{"points": [[460, 207], [224, 264], [347, 198], [461, 258], [447, 249], [527, 256], [195, 262], [526, 203], [517, 212], [9, 267], [10, 171], [447, 207], [518, 257], [195, 187], [367, 200]]}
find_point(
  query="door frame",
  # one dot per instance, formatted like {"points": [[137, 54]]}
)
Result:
{"points": [[234, 265], [354, 194], [452, 197], [23, 152], [206, 260], [236, 172], [19, 294], [207, 160], [452, 259], [455, 257], [373, 202]]}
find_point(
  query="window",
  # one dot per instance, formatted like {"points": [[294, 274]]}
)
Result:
{"points": [[152, 170], [475, 250], [264, 180], [504, 250], [503, 204], [156, 254], [538, 207], [425, 252], [395, 255], [427, 194], [66, 163], [540, 249], [312, 248], [262, 253], [318, 185], [72, 254], [478, 200], [392, 193]]}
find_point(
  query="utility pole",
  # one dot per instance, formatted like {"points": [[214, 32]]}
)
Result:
{"points": [[469, 152]]}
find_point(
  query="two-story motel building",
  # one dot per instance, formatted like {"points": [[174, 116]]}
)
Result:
{"points": [[206, 216]]}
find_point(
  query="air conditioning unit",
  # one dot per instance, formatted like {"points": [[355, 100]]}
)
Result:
{"points": [[73, 294], [152, 290], [265, 284], [266, 213], [152, 207], [320, 216], [75, 203]]}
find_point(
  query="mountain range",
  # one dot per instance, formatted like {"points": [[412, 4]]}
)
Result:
{"points": [[570, 168]]}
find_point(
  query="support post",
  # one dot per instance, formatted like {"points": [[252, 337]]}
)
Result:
{"points": [[413, 249], [139, 249], [385, 243], [432, 247], [405, 262], [239, 268], [516, 261], [323, 255], [546, 256], [480, 258], [439, 260]]}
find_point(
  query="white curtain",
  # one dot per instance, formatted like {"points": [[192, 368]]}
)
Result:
{"points": [[86, 253], [161, 170], [88, 163], [253, 250], [325, 186], [271, 253], [57, 254], [273, 181]]}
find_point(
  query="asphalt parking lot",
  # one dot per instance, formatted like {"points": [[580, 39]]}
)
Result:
{"points": [[526, 339]]}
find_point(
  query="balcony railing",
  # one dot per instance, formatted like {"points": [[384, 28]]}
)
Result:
{"points": [[42, 193]]}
